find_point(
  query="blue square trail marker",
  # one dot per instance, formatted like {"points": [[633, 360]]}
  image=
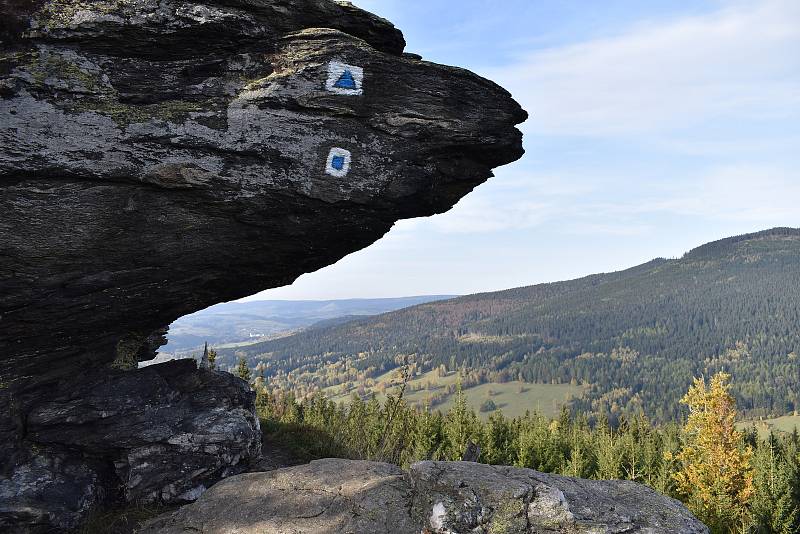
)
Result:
{"points": [[344, 79], [338, 163]]}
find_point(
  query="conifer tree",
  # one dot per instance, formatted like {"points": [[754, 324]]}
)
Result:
{"points": [[459, 425], [664, 481], [357, 426], [538, 444], [716, 477], [609, 456], [578, 463], [204, 357], [264, 403], [427, 436], [317, 428], [243, 371], [772, 508]]}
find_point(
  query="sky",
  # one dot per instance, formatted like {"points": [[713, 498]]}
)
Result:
{"points": [[654, 127]]}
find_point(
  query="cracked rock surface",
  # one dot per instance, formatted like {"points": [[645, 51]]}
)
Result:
{"points": [[346, 496], [159, 434]]}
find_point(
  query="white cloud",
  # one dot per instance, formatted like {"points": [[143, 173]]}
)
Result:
{"points": [[480, 214], [741, 62], [759, 194], [513, 200], [607, 229]]}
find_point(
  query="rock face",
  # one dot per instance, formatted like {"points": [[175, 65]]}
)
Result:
{"points": [[160, 156], [159, 434], [336, 496]]}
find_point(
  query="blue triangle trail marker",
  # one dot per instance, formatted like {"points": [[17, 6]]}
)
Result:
{"points": [[346, 81]]}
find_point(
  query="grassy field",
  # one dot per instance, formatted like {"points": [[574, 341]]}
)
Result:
{"points": [[786, 423], [515, 398], [392, 378], [511, 398]]}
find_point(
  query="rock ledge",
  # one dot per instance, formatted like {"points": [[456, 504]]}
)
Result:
{"points": [[346, 496]]}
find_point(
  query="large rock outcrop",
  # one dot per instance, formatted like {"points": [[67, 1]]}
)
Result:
{"points": [[335, 496], [160, 156]]}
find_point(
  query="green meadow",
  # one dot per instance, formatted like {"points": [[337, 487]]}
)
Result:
{"points": [[786, 423], [513, 399]]}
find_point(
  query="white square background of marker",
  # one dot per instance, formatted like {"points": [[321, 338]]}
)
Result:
{"points": [[339, 173], [335, 71]]}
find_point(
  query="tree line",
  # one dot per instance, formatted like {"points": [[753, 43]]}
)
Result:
{"points": [[733, 481]]}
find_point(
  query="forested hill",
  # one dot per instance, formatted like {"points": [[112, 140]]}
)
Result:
{"points": [[637, 336]]}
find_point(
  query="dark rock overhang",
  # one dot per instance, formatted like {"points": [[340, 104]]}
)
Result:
{"points": [[162, 156]]}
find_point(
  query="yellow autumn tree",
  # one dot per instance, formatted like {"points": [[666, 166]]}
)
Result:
{"points": [[716, 476]]}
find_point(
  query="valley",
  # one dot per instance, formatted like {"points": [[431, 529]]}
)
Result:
{"points": [[627, 342], [232, 324]]}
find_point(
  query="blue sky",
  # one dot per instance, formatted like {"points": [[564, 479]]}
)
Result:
{"points": [[655, 127]]}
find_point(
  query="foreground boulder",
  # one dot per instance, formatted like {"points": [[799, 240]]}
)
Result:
{"points": [[159, 434], [336, 496]]}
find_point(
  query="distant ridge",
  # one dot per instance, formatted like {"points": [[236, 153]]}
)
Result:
{"points": [[636, 336], [233, 322], [715, 248]]}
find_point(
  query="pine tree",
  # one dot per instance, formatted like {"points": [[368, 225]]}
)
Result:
{"points": [[716, 476], [772, 508], [427, 437], [459, 425], [579, 461], [357, 426], [539, 444], [212, 359], [204, 357], [496, 440], [609, 456], [243, 371], [664, 480], [654, 455]]}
